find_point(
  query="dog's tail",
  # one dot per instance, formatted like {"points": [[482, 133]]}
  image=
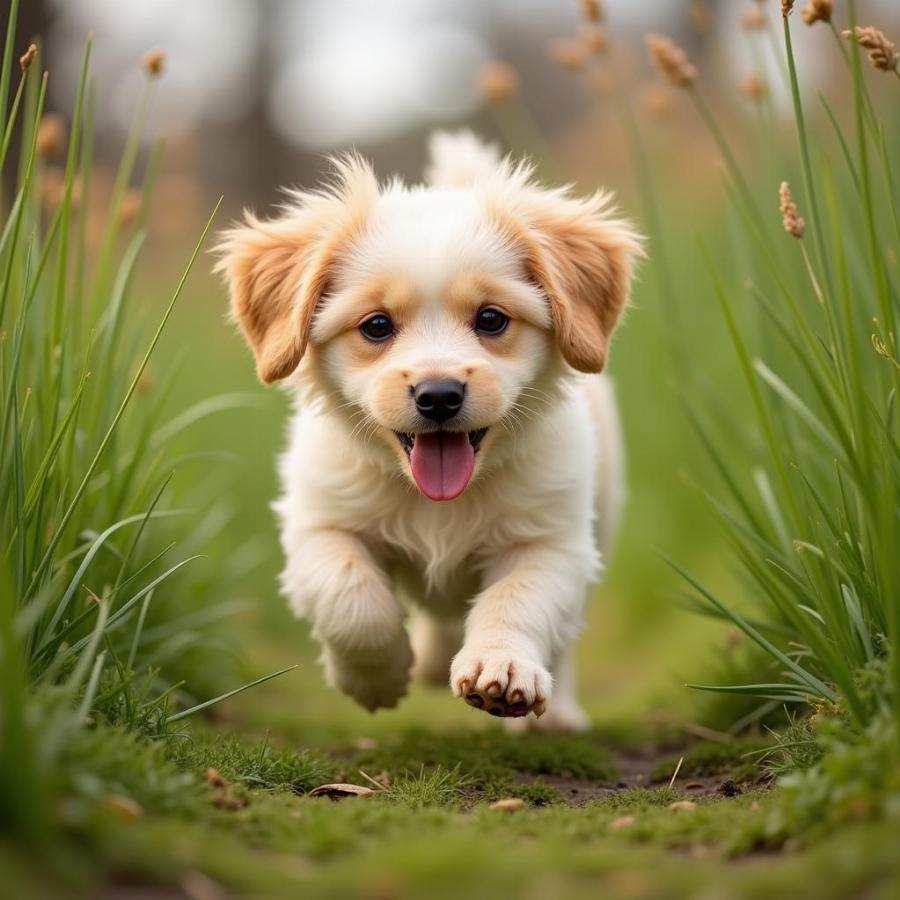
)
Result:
{"points": [[459, 158]]}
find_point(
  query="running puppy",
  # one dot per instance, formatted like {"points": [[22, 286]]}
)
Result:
{"points": [[453, 443]]}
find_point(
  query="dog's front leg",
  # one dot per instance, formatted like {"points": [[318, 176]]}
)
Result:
{"points": [[333, 580], [524, 618]]}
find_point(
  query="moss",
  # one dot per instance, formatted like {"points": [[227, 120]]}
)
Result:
{"points": [[433, 787], [254, 764], [638, 798], [377, 848], [487, 755]]}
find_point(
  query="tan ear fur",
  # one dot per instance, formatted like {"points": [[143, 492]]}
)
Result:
{"points": [[580, 256], [278, 270]]}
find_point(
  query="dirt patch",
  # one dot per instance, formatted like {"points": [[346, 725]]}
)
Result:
{"points": [[636, 770]]}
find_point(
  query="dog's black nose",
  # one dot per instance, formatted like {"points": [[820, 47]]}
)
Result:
{"points": [[439, 400]]}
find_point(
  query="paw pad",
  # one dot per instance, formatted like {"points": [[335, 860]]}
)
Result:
{"points": [[497, 706]]}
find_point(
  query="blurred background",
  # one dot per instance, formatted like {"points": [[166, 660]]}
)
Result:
{"points": [[252, 96]]}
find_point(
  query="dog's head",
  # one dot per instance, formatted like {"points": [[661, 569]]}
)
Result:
{"points": [[437, 319]]}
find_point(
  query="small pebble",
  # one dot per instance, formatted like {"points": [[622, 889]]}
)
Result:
{"points": [[683, 805], [621, 822], [729, 789]]}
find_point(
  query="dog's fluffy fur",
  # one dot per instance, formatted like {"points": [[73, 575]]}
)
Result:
{"points": [[495, 579]]}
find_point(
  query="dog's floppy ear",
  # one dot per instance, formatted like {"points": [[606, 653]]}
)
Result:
{"points": [[579, 254], [278, 270]]}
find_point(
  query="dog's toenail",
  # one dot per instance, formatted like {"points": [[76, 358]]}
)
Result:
{"points": [[475, 700], [494, 689]]}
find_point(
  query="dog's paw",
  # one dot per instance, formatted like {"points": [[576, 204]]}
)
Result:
{"points": [[500, 682], [379, 684]]}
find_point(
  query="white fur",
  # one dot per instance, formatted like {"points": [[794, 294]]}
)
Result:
{"points": [[459, 158], [498, 577]]}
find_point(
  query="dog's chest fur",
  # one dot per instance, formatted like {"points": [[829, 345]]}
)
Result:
{"points": [[438, 551]]}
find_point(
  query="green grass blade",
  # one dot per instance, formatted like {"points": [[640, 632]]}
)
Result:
{"points": [[184, 714]]}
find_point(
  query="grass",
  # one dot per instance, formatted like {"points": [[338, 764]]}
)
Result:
{"points": [[91, 603], [120, 580], [817, 541]]}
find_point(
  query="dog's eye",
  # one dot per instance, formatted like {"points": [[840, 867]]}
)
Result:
{"points": [[491, 321], [377, 328]]}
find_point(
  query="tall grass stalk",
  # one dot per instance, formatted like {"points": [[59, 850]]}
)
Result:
{"points": [[819, 543], [86, 494]]}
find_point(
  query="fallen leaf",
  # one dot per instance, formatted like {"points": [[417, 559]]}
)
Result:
{"points": [[621, 822], [508, 804], [337, 791], [683, 805], [366, 743], [214, 777], [226, 800], [123, 806]]}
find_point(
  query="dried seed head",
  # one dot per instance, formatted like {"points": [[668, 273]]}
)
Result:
{"points": [[51, 137], [26, 59], [592, 10], [568, 53], [702, 16], [753, 19], [498, 82], [153, 62], [882, 53], [131, 205], [754, 86], [595, 38], [817, 11], [53, 189], [787, 7], [146, 381], [52, 186], [656, 99], [671, 60], [600, 83], [790, 218]]}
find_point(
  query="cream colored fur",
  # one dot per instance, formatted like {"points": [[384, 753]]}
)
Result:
{"points": [[495, 579]]}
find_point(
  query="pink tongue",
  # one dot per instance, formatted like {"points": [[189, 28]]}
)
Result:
{"points": [[442, 463]]}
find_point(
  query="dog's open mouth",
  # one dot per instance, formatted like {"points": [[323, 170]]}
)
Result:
{"points": [[442, 462]]}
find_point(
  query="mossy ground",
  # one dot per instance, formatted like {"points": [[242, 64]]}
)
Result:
{"points": [[154, 822]]}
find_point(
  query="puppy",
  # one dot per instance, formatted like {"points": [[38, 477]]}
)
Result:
{"points": [[454, 451]]}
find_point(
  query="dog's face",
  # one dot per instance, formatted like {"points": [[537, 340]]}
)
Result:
{"points": [[436, 319]]}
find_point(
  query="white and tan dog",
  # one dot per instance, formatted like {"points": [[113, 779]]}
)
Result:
{"points": [[443, 343]]}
